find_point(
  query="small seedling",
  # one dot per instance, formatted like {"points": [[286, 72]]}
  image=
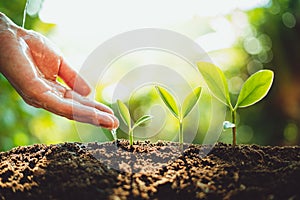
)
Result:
{"points": [[254, 89], [180, 112], [125, 115]]}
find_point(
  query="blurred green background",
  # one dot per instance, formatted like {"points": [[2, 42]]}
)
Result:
{"points": [[265, 37]]}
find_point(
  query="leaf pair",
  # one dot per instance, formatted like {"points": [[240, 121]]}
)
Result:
{"points": [[180, 112], [254, 89], [125, 115]]}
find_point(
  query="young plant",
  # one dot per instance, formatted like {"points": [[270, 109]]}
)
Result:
{"points": [[180, 112], [253, 90], [125, 115]]}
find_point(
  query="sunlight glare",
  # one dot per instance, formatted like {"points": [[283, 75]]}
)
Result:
{"points": [[83, 25]]}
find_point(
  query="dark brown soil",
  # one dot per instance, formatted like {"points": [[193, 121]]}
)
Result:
{"points": [[149, 171]]}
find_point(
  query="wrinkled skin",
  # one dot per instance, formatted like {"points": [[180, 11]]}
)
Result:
{"points": [[32, 64]]}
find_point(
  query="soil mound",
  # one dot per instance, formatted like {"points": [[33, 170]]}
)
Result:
{"points": [[163, 170]]}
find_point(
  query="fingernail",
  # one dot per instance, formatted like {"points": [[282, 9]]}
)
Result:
{"points": [[105, 120], [116, 122]]}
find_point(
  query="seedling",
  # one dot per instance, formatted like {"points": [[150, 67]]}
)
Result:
{"points": [[125, 115], [254, 89], [180, 112]]}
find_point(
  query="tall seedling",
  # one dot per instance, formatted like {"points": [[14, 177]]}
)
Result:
{"points": [[180, 112], [254, 89]]}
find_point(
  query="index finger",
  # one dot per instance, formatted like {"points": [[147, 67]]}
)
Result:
{"points": [[71, 109]]}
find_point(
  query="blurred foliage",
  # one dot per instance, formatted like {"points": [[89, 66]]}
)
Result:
{"points": [[14, 9], [270, 40], [273, 42], [265, 37]]}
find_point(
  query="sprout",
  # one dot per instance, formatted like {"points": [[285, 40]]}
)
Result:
{"points": [[254, 89], [125, 115], [180, 112]]}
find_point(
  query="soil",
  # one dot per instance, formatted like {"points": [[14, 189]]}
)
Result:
{"points": [[145, 170]]}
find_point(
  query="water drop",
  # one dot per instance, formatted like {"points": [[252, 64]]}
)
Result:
{"points": [[114, 134], [227, 125], [24, 13]]}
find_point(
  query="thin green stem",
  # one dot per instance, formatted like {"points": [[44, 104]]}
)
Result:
{"points": [[180, 132], [233, 117], [131, 137]]}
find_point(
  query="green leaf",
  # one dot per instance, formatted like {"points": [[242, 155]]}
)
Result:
{"points": [[255, 88], [216, 81], [142, 120], [190, 101], [169, 100], [124, 112]]}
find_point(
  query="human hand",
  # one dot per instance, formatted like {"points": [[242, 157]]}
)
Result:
{"points": [[32, 64]]}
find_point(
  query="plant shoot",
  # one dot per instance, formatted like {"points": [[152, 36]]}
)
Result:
{"points": [[125, 115], [180, 112], [253, 90]]}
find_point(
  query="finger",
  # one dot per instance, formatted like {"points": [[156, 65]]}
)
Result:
{"points": [[73, 110], [61, 91], [72, 79], [85, 101]]}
